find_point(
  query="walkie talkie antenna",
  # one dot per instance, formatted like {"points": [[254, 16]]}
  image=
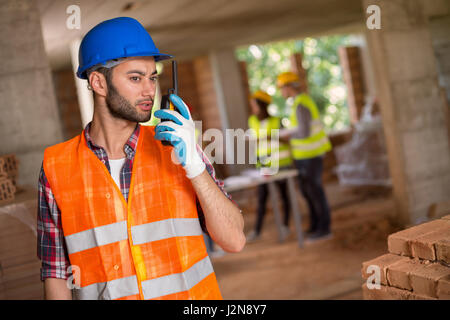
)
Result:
{"points": [[175, 77]]}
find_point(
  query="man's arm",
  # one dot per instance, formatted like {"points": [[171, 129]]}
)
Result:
{"points": [[56, 289], [51, 248], [223, 218], [303, 128], [304, 123]]}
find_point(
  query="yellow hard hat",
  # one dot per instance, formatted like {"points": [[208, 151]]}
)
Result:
{"points": [[286, 78], [261, 95]]}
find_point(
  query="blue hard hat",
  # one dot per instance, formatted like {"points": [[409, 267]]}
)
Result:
{"points": [[116, 38]]}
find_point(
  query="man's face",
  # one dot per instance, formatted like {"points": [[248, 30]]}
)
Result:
{"points": [[132, 88], [254, 107]]}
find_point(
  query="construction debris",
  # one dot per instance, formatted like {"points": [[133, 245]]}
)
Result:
{"points": [[7, 190], [8, 176]]}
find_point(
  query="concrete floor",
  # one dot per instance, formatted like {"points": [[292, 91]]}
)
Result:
{"points": [[331, 269]]}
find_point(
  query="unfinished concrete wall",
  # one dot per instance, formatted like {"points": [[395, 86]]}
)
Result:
{"points": [[232, 101], [230, 92], [29, 119], [411, 106]]}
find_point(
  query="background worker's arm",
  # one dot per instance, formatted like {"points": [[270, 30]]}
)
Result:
{"points": [[303, 128], [56, 289], [223, 219]]}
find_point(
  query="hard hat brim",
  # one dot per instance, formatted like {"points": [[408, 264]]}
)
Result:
{"points": [[81, 73]]}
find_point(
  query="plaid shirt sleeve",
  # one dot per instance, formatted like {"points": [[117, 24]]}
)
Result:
{"points": [[219, 183], [51, 248]]}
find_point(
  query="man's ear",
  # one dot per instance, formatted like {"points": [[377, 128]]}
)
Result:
{"points": [[98, 84]]}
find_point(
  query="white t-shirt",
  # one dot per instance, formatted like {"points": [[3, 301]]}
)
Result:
{"points": [[116, 166]]}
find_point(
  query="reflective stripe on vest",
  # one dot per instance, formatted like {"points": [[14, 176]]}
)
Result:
{"points": [[164, 229], [316, 127], [111, 290], [266, 156], [143, 233], [138, 249], [317, 143], [153, 288], [177, 282], [98, 236]]}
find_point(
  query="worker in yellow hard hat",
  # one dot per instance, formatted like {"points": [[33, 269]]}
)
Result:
{"points": [[309, 143], [262, 124]]}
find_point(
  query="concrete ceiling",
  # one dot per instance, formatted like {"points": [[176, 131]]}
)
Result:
{"points": [[188, 28]]}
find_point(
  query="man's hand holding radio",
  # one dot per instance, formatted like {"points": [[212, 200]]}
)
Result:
{"points": [[178, 129]]}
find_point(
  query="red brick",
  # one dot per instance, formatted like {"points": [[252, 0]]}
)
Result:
{"points": [[443, 288], [424, 247], [398, 274], [383, 262], [446, 217], [384, 293], [399, 242], [424, 280], [414, 296], [443, 250]]}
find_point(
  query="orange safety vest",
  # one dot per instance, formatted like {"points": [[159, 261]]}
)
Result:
{"points": [[149, 248]]}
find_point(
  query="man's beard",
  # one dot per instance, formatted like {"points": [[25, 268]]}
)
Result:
{"points": [[121, 108]]}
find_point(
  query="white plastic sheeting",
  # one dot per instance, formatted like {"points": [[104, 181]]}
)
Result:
{"points": [[363, 160]]}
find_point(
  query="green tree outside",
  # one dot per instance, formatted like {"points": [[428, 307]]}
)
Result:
{"points": [[321, 62]]}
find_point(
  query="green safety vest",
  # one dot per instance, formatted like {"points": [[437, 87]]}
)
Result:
{"points": [[266, 156], [317, 143]]}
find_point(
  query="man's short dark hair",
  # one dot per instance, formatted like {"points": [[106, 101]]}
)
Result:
{"points": [[106, 72]]}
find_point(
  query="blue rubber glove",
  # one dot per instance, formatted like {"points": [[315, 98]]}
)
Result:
{"points": [[180, 132]]}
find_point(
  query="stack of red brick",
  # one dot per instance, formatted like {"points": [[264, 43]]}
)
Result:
{"points": [[416, 267], [8, 177]]}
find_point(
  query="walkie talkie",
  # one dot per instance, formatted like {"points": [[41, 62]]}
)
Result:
{"points": [[165, 102]]}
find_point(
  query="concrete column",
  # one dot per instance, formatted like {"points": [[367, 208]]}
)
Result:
{"points": [[29, 120], [85, 96], [231, 98], [411, 107], [207, 108], [228, 84]]}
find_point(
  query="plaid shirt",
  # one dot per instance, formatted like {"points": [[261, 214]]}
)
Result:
{"points": [[51, 244]]}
